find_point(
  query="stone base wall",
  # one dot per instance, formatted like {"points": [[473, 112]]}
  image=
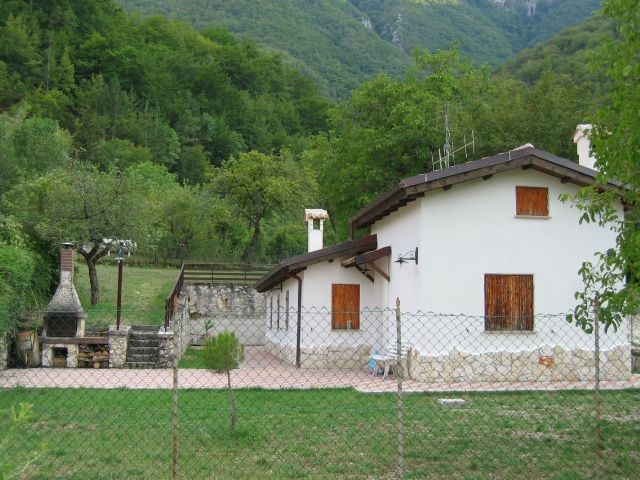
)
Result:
{"points": [[72, 354], [554, 364], [118, 340], [168, 348], [634, 331], [336, 357], [4, 352], [213, 309]]}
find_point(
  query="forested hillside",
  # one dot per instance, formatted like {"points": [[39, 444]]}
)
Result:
{"points": [[569, 55], [115, 127], [342, 43], [201, 145]]}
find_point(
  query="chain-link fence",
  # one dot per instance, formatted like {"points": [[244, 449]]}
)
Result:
{"points": [[317, 394]]}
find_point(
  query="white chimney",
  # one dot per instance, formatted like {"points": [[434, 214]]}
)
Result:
{"points": [[582, 139], [315, 217]]}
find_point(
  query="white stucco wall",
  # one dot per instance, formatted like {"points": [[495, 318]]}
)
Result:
{"points": [[316, 312], [470, 230], [462, 234]]}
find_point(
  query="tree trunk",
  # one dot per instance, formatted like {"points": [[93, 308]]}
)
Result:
{"points": [[93, 280], [232, 397], [92, 257], [250, 252]]}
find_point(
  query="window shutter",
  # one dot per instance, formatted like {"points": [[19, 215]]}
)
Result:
{"points": [[345, 306], [508, 302], [532, 201]]}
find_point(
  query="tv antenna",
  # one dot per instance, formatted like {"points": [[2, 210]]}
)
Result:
{"points": [[447, 153]]}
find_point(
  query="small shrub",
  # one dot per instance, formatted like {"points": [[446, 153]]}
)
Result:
{"points": [[223, 354]]}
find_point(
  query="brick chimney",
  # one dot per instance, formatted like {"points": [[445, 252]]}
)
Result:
{"points": [[315, 218], [67, 257]]}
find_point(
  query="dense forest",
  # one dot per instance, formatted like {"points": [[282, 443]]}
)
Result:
{"points": [[340, 44], [199, 145]]}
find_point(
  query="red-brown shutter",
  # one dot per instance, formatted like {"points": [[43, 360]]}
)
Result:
{"points": [[508, 302], [532, 201], [345, 306]]}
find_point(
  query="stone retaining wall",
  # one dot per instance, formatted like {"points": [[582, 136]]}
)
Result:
{"points": [[4, 352], [528, 366], [213, 309], [338, 357]]}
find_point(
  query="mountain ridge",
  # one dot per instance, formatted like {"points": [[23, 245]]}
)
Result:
{"points": [[342, 43]]}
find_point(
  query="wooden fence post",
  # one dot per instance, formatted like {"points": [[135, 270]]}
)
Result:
{"points": [[399, 373]]}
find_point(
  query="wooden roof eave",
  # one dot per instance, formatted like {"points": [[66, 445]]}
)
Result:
{"points": [[563, 169], [294, 265]]}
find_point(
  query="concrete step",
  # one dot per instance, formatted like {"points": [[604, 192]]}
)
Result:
{"points": [[142, 365], [151, 342], [143, 350], [142, 358], [145, 328], [143, 335]]}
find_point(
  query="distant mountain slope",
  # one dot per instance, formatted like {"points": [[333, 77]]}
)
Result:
{"points": [[325, 39], [340, 43], [568, 54]]}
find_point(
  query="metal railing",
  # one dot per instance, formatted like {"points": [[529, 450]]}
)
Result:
{"points": [[233, 273], [211, 273], [171, 303]]}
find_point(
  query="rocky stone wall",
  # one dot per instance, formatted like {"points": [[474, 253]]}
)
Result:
{"points": [[213, 309], [168, 348], [337, 357], [634, 331], [118, 346], [4, 352], [556, 364]]}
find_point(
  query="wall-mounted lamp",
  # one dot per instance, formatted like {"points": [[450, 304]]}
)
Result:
{"points": [[411, 255]]}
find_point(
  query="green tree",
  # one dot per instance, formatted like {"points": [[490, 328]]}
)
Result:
{"points": [[260, 186], [616, 140], [30, 146], [223, 354], [24, 275], [390, 128], [91, 208]]}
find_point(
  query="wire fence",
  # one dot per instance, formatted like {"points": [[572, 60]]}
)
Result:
{"points": [[370, 394]]}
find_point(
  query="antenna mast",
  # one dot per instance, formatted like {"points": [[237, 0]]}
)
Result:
{"points": [[447, 154]]}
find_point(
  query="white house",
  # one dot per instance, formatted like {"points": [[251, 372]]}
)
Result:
{"points": [[487, 245]]}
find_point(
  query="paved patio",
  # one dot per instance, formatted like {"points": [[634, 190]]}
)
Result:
{"points": [[261, 370]]}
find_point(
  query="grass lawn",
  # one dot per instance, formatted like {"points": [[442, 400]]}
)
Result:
{"points": [[143, 294], [324, 434], [192, 358]]}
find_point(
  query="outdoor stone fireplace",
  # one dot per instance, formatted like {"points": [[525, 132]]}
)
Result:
{"points": [[64, 320]]}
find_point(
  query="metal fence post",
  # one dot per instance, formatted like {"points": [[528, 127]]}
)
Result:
{"points": [[399, 377], [596, 353]]}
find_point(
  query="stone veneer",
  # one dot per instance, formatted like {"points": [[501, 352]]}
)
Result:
{"points": [[118, 340], [166, 355], [556, 364], [4, 352], [225, 307], [348, 357], [72, 354]]}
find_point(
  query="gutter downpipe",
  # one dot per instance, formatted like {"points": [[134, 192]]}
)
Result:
{"points": [[299, 317]]}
